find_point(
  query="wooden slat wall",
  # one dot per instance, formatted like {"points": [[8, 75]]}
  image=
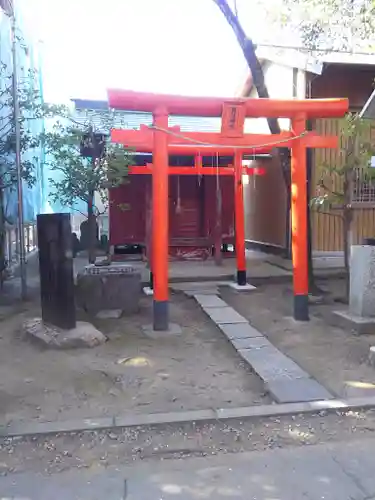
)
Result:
{"points": [[327, 228]]}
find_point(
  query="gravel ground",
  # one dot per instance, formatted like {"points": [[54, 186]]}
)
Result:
{"points": [[335, 357], [131, 373], [90, 450]]}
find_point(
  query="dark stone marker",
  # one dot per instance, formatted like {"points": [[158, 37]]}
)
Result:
{"points": [[85, 234], [56, 270]]}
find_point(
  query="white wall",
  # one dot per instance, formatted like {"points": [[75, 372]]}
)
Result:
{"points": [[279, 80]]}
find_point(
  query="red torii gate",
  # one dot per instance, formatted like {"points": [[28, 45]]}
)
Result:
{"points": [[161, 140]]}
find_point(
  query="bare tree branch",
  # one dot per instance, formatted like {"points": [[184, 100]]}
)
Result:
{"points": [[248, 49]]}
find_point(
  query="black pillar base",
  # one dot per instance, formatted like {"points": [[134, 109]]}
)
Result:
{"points": [[241, 278], [161, 316], [301, 307], [151, 281]]}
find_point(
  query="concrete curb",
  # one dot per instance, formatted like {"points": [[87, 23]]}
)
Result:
{"points": [[210, 415]]}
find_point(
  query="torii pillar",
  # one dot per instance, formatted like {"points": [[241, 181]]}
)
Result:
{"points": [[160, 212], [299, 222]]}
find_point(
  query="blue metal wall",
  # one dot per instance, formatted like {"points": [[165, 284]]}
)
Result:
{"points": [[27, 58]]}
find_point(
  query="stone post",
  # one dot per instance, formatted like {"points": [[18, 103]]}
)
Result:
{"points": [[56, 270], [360, 316], [362, 281]]}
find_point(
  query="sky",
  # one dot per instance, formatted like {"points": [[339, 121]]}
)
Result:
{"points": [[171, 46]]}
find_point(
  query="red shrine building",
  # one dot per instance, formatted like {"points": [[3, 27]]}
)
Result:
{"points": [[201, 207]]}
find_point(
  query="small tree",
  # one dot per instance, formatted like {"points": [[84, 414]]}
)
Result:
{"points": [[32, 109], [336, 182], [338, 25], [86, 164]]}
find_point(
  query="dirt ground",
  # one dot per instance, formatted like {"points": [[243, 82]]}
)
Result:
{"points": [[334, 356], [129, 373]]}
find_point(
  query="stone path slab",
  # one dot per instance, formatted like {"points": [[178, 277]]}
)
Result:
{"points": [[297, 390], [251, 343], [284, 379], [201, 288], [271, 364], [239, 331], [224, 315], [210, 301], [192, 293]]}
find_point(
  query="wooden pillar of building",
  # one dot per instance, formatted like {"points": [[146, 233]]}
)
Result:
{"points": [[148, 205]]}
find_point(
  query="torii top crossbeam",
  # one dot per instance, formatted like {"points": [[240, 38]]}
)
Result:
{"points": [[233, 113], [213, 106]]}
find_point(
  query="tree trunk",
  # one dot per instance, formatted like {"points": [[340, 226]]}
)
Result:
{"points": [[348, 211], [2, 239], [347, 222], [256, 70], [91, 220]]}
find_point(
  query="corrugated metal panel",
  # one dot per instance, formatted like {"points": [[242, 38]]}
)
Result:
{"points": [[131, 120], [26, 60]]}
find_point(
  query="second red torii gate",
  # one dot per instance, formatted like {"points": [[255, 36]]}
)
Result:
{"points": [[162, 140]]}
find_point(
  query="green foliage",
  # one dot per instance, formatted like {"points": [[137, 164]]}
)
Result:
{"points": [[328, 24], [31, 109], [356, 150], [78, 177]]}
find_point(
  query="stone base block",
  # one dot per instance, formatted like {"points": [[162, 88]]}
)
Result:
{"points": [[173, 329], [242, 288], [148, 291], [109, 314], [83, 335], [110, 287], [371, 356], [360, 325]]}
